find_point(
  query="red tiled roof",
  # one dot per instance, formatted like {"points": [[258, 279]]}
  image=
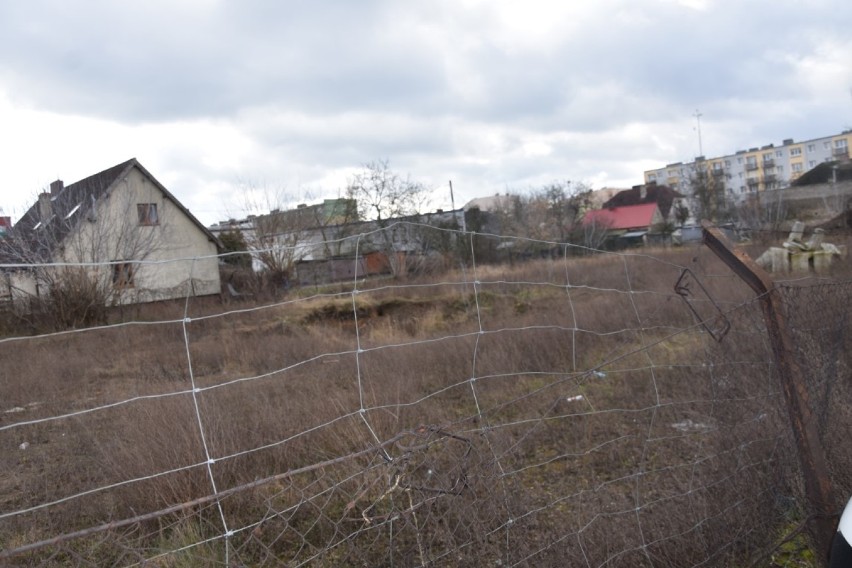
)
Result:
{"points": [[630, 217]]}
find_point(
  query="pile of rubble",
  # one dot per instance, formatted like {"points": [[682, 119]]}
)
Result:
{"points": [[797, 255]]}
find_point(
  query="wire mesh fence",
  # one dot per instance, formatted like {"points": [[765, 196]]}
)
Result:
{"points": [[555, 409], [817, 315]]}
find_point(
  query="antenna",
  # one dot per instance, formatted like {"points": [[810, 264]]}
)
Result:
{"points": [[698, 116], [453, 203]]}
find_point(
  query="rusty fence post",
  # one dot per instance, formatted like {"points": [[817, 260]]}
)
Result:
{"points": [[811, 453]]}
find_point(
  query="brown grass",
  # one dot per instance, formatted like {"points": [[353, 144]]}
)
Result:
{"points": [[634, 439]]}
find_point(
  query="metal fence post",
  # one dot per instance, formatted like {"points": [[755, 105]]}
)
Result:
{"points": [[811, 453]]}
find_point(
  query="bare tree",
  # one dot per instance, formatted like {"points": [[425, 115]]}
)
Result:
{"points": [[333, 224], [275, 235], [80, 253], [762, 213], [564, 203], [383, 196], [279, 236], [593, 234], [707, 194], [271, 237], [279, 240], [550, 214]]}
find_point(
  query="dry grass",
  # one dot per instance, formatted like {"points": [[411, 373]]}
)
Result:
{"points": [[591, 425]]}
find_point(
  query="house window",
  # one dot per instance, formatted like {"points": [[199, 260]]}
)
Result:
{"points": [[122, 275], [840, 143], [826, 145], [796, 167], [811, 147], [779, 153], [148, 214], [812, 164], [795, 151]]}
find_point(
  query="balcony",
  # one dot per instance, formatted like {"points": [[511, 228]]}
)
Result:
{"points": [[751, 166], [717, 172], [769, 179], [768, 163], [841, 153]]}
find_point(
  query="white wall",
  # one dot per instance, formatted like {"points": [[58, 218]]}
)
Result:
{"points": [[177, 258]]}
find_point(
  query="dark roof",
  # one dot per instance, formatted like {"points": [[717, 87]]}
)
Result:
{"points": [[825, 172], [74, 202], [662, 195]]}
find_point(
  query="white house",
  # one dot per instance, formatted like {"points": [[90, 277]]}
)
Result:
{"points": [[123, 228]]}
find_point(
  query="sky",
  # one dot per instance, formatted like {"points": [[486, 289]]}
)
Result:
{"points": [[223, 101]]}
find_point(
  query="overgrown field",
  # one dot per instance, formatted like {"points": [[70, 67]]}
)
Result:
{"points": [[558, 412]]}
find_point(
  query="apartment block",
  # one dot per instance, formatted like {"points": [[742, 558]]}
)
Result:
{"points": [[756, 169]]}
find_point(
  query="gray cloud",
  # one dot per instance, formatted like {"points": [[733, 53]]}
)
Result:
{"points": [[492, 92]]}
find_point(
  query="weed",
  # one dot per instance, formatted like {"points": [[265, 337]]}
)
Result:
{"points": [[531, 421]]}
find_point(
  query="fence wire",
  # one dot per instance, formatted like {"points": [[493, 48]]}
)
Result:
{"points": [[559, 411], [818, 317]]}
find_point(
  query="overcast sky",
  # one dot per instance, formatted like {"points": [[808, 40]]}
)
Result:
{"points": [[215, 95]]}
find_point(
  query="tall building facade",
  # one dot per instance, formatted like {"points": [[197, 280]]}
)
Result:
{"points": [[757, 169]]}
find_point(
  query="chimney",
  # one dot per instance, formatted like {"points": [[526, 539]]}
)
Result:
{"points": [[56, 187], [45, 207]]}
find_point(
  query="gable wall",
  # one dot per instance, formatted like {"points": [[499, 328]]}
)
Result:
{"points": [[166, 248]]}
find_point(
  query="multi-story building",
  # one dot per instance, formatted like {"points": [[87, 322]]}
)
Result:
{"points": [[756, 169]]}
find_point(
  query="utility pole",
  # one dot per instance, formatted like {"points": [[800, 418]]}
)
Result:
{"points": [[698, 116], [453, 202]]}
